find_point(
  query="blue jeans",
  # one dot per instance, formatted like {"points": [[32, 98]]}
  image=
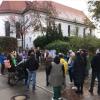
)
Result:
{"points": [[31, 77]]}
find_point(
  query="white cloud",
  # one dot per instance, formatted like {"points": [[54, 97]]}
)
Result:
{"points": [[1, 1], [78, 4]]}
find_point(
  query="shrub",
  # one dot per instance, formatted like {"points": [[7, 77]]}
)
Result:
{"points": [[41, 41], [75, 43], [89, 42], [7, 44], [59, 46]]}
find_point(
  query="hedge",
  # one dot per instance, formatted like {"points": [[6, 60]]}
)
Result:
{"points": [[41, 41], [59, 46], [89, 42], [7, 44]]}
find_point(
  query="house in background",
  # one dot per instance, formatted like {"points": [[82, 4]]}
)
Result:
{"points": [[11, 12]]}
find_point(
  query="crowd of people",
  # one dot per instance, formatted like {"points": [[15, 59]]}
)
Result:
{"points": [[57, 66], [77, 65]]}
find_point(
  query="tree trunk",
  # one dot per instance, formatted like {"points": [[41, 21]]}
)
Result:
{"points": [[22, 42]]}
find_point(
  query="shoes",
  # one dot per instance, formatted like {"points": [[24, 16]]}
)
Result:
{"points": [[81, 92], [57, 99], [60, 98], [34, 88], [98, 93], [91, 91], [47, 84], [74, 88], [71, 83], [27, 88], [77, 92], [96, 80], [33, 91]]}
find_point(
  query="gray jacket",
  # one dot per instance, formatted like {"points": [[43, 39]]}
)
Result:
{"points": [[56, 77]]}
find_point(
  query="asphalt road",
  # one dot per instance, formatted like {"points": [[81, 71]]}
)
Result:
{"points": [[42, 92]]}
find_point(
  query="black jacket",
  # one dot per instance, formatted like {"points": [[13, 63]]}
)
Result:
{"points": [[32, 64], [95, 63]]}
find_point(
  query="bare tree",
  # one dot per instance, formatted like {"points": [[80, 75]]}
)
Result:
{"points": [[34, 20], [50, 11]]}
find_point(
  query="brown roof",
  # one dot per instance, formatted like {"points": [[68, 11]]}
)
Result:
{"points": [[64, 12], [69, 13], [12, 7]]}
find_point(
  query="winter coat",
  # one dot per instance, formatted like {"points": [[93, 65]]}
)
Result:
{"points": [[38, 54], [32, 64], [95, 63], [79, 70], [56, 73], [56, 77], [48, 61]]}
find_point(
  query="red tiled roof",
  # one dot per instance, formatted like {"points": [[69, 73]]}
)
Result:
{"points": [[12, 6], [64, 12], [69, 13]]}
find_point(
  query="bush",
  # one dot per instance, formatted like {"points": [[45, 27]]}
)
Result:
{"points": [[89, 42], [59, 46], [41, 41], [7, 44], [75, 43]]}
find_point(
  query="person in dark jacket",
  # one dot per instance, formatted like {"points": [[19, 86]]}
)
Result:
{"points": [[79, 68], [48, 61], [56, 77], [32, 66], [95, 64], [38, 54]]}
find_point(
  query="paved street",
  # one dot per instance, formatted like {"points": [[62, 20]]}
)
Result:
{"points": [[42, 92], [7, 92]]}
